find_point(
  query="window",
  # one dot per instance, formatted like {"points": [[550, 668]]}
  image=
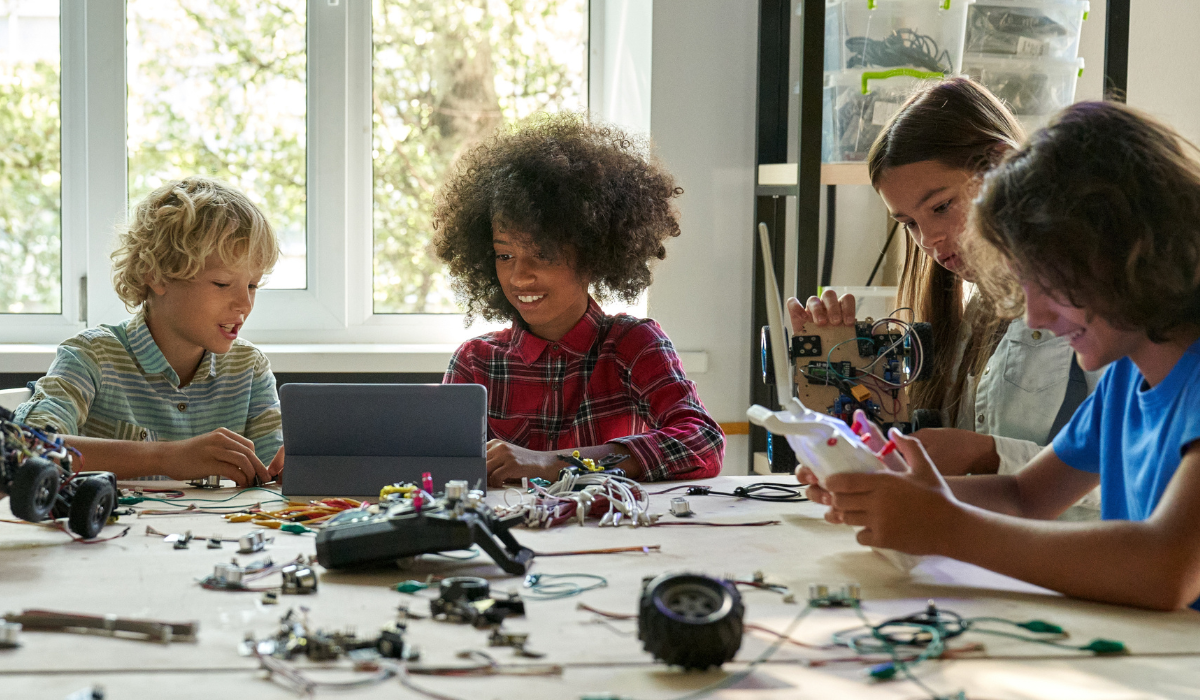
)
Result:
{"points": [[30, 159], [446, 75], [217, 87], [338, 117]]}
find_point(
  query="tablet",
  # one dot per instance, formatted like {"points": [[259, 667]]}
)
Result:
{"points": [[353, 439]]}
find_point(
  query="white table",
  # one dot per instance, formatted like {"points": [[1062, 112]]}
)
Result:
{"points": [[141, 576]]}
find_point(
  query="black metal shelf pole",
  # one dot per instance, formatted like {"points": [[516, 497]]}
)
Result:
{"points": [[774, 37], [1116, 50]]}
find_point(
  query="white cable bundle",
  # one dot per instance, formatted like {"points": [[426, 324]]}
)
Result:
{"points": [[627, 501]]}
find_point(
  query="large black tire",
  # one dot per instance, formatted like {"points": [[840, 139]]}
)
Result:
{"points": [[690, 620], [34, 489], [91, 507]]}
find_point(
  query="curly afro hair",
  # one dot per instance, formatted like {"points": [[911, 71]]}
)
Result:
{"points": [[567, 184]]}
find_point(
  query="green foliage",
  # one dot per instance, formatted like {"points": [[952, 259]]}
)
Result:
{"points": [[217, 87], [447, 73], [30, 180]]}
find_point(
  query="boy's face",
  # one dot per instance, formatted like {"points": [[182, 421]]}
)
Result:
{"points": [[1095, 341], [208, 311], [549, 294]]}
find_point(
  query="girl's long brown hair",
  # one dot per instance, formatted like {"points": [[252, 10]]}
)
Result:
{"points": [[957, 123]]}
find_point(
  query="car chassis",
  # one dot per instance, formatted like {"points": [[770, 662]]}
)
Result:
{"points": [[36, 473]]}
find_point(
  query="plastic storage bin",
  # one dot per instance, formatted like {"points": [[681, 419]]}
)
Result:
{"points": [[1034, 89], [1026, 28], [857, 104], [926, 35]]}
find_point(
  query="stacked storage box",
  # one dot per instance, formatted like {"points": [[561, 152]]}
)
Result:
{"points": [[876, 53], [1027, 52]]}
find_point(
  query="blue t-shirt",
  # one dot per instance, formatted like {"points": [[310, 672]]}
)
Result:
{"points": [[1134, 438]]}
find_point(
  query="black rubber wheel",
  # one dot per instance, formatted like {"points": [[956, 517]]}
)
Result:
{"points": [[464, 588], [91, 507], [690, 620], [34, 489]]}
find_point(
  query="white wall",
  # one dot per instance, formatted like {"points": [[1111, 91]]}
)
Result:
{"points": [[703, 124], [1164, 60]]}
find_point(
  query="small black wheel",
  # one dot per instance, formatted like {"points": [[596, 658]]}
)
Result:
{"points": [[91, 507], [464, 589], [34, 489], [690, 620]]}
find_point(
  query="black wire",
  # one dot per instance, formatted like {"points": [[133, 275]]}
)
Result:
{"points": [[887, 244], [784, 493], [903, 47], [948, 623]]}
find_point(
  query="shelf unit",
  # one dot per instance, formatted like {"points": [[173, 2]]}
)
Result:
{"points": [[777, 178]]}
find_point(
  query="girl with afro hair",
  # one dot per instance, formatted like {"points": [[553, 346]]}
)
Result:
{"points": [[535, 224]]}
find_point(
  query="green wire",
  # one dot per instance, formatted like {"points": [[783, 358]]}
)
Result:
{"points": [[558, 586], [829, 356], [184, 502], [904, 667]]}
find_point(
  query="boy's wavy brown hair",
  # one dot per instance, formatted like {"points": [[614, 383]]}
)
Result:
{"points": [[566, 183], [1101, 208]]}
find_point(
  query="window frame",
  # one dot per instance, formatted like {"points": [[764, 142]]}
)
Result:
{"points": [[336, 306]]}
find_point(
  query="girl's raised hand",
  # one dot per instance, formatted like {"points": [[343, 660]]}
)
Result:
{"points": [[825, 310]]}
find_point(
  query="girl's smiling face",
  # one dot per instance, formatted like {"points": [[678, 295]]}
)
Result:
{"points": [[549, 294], [930, 201]]}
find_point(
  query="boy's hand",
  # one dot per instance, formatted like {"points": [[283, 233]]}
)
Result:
{"points": [[507, 462], [221, 452], [911, 511], [276, 466], [825, 310], [817, 494]]}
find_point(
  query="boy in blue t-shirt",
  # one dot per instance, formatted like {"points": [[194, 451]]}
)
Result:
{"points": [[1098, 217]]}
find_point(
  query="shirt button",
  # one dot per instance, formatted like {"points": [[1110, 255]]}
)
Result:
{"points": [[1037, 335], [979, 419], [554, 347], [182, 407], [987, 370], [144, 434]]}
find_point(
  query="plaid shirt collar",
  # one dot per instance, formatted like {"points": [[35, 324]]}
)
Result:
{"points": [[150, 357], [578, 341]]}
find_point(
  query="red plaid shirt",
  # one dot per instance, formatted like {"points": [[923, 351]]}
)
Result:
{"points": [[609, 379]]}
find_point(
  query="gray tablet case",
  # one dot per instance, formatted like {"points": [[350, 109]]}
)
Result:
{"points": [[353, 439]]}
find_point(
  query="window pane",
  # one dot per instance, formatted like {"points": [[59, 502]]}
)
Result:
{"points": [[217, 87], [446, 74], [30, 160]]}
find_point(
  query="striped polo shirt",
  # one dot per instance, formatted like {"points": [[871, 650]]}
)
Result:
{"points": [[113, 382]]}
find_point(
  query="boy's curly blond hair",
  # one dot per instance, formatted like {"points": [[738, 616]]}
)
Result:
{"points": [[177, 226]]}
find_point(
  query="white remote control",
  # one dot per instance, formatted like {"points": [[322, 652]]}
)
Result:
{"points": [[821, 442]]}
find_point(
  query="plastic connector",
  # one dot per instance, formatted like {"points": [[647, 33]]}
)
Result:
{"points": [[1105, 646], [411, 586], [1041, 627], [860, 393]]}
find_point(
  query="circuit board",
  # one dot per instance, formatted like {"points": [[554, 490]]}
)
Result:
{"points": [[828, 363]]}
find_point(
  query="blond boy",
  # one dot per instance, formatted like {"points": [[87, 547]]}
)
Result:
{"points": [[173, 391]]}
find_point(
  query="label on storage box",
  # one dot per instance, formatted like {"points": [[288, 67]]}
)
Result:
{"points": [[1028, 46]]}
